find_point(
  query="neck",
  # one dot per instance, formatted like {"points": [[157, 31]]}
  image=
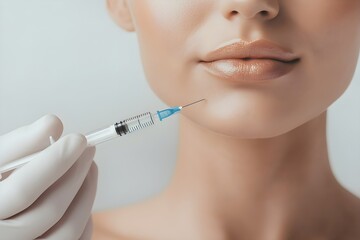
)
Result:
{"points": [[255, 188]]}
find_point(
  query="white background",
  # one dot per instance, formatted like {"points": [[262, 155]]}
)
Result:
{"points": [[67, 58]]}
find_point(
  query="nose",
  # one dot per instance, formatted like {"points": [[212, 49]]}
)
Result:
{"points": [[250, 9]]}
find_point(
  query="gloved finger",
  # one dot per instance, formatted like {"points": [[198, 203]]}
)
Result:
{"points": [[51, 206], [29, 139], [87, 234], [25, 185], [73, 223]]}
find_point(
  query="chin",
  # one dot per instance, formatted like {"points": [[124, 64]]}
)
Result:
{"points": [[249, 130], [247, 122]]}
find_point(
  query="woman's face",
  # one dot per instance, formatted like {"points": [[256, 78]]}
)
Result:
{"points": [[249, 93]]}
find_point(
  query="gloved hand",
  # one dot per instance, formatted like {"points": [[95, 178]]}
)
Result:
{"points": [[50, 197]]}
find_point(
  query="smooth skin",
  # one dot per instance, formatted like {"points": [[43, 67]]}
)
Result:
{"points": [[252, 160]]}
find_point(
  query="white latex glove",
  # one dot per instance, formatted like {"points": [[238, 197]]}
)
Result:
{"points": [[50, 197]]}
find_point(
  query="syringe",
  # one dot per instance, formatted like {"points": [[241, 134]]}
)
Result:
{"points": [[121, 128]]}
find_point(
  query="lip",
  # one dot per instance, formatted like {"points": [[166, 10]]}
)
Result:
{"points": [[239, 61]]}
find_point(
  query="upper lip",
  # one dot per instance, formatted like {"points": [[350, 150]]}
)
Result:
{"points": [[260, 49]]}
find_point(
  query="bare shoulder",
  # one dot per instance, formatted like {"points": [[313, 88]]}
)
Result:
{"points": [[137, 221], [110, 225], [101, 229]]}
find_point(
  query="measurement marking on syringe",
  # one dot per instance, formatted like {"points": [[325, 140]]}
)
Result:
{"points": [[152, 120]]}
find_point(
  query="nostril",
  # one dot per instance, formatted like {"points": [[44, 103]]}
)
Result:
{"points": [[264, 13], [233, 13]]}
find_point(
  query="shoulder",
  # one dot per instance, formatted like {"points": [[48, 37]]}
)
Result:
{"points": [[115, 224], [102, 229], [136, 221]]}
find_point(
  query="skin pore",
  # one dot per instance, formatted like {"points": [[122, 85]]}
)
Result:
{"points": [[252, 159]]}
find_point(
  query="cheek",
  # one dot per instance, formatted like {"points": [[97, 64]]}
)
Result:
{"points": [[328, 36], [163, 30], [327, 27]]}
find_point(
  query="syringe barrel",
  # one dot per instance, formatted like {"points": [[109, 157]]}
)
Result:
{"points": [[121, 128], [102, 135], [135, 123]]}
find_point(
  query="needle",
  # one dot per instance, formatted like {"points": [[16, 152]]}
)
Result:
{"points": [[191, 103], [170, 111]]}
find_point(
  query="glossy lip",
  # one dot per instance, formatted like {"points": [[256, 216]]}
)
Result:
{"points": [[256, 61]]}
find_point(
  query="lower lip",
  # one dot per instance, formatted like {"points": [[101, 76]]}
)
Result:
{"points": [[240, 70]]}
